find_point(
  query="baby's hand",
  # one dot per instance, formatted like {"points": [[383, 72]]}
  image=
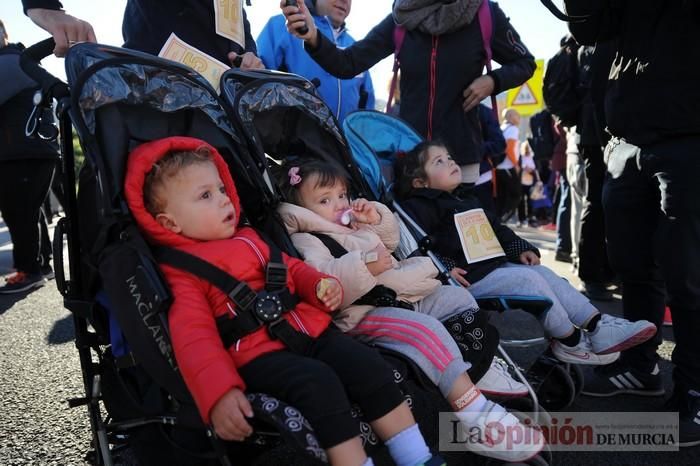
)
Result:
{"points": [[365, 212], [458, 274], [529, 258], [378, 260], [228, 416], [329, 292]]}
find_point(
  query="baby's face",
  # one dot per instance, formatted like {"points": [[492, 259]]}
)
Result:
{"points": [[197, 205], [327, 201]]}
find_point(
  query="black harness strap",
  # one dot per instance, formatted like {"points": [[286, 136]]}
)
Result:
{"points": [[380, 295], [253, 309]]}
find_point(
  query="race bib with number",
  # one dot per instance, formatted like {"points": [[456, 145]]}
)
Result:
{"points": [[478, 240], [176, 49], [228, 19]]}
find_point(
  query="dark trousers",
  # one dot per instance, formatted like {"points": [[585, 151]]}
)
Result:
{"points": [[508, 192], [593, 265], [484, 192], [651, 200], [320, 383], [24, 185], [524, 206], [563, 214]]}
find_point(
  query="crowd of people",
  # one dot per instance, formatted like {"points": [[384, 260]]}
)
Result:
{"points": [[609, 169]]}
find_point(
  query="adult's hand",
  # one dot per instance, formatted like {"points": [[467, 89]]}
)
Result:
{"points": [[477, 91], [297, 17], [247, 61], [65, 29]]}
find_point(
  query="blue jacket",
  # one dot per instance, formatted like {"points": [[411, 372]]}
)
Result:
{"points": [[279, 50]]}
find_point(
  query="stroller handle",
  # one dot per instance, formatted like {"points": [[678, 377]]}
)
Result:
{"points": [[29, 62]]}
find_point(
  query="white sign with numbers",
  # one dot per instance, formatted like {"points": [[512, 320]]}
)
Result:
{"points": [[478, 239]]}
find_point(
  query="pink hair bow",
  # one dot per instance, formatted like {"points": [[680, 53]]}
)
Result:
{"points": [[294, 178]]}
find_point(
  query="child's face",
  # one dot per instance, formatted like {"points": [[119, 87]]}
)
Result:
{"points": [[327, 201], [197, 205], [442, 172]]}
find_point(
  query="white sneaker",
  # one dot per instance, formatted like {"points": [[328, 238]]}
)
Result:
{"points": [[500, 435], [497, 381], [616, 334], [582, 353]]}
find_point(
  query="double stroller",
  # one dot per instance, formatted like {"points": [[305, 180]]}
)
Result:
{"points": [[137, 402]]}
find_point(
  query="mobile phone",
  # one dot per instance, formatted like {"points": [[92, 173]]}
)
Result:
{"points": [[303, 29]]}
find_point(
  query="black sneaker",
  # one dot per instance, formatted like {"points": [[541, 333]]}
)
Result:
{"points": [[21, 282], [619, 378], [688, 406]]}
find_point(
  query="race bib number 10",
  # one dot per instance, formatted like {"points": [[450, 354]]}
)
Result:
{"points": [[478, 240]]}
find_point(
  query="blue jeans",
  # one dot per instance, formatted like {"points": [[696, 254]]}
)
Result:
{"points": [[651, 199]]}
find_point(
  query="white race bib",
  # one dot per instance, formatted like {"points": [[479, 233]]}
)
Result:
{"points": [[228, 19], [478, 239]]}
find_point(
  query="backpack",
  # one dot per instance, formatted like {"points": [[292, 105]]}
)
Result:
{"points": [[561, 85], [542, 139]]}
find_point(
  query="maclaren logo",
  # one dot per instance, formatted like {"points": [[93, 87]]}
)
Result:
{"points": [[150, 320]]}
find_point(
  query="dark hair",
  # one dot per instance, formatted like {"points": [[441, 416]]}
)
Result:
{"points": [[411, 166], [327, 174]]}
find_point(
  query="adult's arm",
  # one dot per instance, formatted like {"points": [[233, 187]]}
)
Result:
{"points": [[517, 63], [360, 56], [65, 29], [369, 89], [602, 22]]}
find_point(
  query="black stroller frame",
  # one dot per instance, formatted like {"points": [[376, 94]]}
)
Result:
{"points": [[92, 329]]}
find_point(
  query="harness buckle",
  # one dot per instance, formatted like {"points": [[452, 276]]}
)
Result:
{"points": [[268, 307], [242, 296], [275, 276]]}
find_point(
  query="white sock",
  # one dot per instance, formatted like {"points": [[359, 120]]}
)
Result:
{"points": [[368, 462], [408, 447], [470, 413]]}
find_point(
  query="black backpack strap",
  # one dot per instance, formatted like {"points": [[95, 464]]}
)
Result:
{"points": [[276, 269]]}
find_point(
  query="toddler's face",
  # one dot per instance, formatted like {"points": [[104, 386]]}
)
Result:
{"points": [[327, 201], [197, 205], [443, 173]]}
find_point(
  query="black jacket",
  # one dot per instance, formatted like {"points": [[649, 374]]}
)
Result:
{"points": [[459, 61], [653, 90], [16, 105], [147, 24], [434, 211]]}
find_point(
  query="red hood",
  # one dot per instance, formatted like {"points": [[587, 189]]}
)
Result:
{"points": [[141, 161]]}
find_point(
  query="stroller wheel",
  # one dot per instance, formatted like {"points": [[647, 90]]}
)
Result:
{"points": [[554, 386]]}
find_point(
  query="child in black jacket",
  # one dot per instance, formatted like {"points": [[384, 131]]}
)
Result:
{"points": [[490, 258]]}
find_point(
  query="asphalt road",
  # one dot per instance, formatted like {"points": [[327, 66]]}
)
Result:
{"points": [[39, 370]]}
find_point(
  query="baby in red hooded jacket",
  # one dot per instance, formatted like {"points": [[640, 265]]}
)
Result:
{"points": [[182, 196]]}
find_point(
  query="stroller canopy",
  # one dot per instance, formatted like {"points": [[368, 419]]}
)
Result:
{"points": [[374, 140]]}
